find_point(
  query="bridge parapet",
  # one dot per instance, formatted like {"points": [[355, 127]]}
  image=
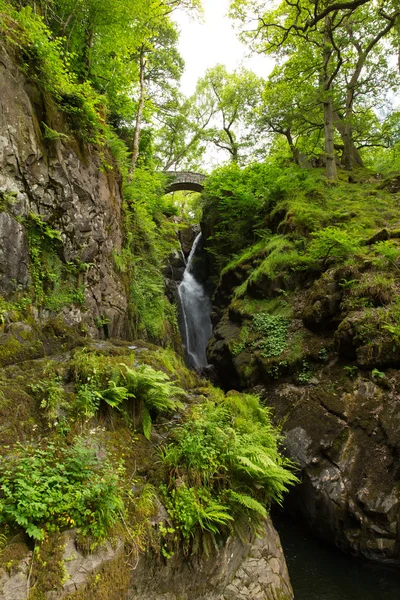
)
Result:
{"points": [[184, 180]]}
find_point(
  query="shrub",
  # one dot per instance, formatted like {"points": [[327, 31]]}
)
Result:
{"points": [[48, 488], [333, 242]]}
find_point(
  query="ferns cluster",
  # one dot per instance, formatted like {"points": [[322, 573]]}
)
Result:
{"points": [[126, 388], [223, 468]]}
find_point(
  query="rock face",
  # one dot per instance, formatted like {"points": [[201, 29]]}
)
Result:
{"points": [[78, 568], [320, 370], [346, 440], [70, 191], [255, 570]]}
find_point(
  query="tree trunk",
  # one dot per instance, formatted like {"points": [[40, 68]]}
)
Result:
{"points": [[295, 151], [331, 171], [139, 114], [352, 150]]}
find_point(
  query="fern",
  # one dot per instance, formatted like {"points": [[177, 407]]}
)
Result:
{"points": [[226, 444], [146, 422], [248, 502], [114, 395], [213, 516], [152, 387]]}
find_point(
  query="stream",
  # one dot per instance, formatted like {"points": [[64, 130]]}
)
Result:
{"points": [[318, 571]]}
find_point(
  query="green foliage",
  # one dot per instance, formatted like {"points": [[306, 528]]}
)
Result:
{"points": [[150, 239], [274, 331], [323, 354], [191, 508], [223, 466], [237, 201], [333, 242], [114, 395], [47, 62], [50, 394], [6, 200], [351, 371], [152, 388], [238, 346], [377, 374], [55, 283], [51, 134], [49, 488], [305, 374], [119, 385], [387, 254]]}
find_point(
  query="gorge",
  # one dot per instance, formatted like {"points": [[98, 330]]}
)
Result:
{"points": [[172, 368]]}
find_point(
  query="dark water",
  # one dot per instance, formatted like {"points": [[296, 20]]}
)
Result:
{"points": [[320, 572]]}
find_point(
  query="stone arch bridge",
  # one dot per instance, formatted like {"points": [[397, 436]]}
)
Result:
{"points": [[184, 180]]}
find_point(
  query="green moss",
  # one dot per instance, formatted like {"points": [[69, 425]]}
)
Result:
{"points": [[12, 350], [109, 583], [48, 569], [14, 551]]}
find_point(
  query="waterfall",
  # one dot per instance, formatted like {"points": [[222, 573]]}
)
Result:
{"points": [[196, 309]]}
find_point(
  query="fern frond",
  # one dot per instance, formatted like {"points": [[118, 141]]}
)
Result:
{"points": [[146, 422], [247, 501]]}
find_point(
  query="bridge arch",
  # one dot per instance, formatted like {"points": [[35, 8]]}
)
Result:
{"points": [[184, 180]]}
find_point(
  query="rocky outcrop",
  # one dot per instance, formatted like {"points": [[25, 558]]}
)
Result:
{"points": [[345, 437], [78, 569], [329, 370], [255, 570], [67, 187]]}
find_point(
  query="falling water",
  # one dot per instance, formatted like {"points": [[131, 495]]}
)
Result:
{"points": [[196, 309]]}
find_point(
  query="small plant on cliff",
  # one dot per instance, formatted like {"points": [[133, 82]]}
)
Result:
{"points": [[333, 242], [50, 394], [274, 332], [153, 388], [238, 346], [100, 378]]}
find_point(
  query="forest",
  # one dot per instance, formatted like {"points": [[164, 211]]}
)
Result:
{"points": [[118, 459]]}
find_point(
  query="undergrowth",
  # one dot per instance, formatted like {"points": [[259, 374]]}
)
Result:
{"points": [[223, 469]]}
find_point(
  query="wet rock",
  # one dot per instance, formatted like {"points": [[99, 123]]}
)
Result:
{"points": [[67, 190], [349, 493], [254, 570], [187, 237], [322, 303]]}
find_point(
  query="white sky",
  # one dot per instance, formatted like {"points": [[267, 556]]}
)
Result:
{"points": [[203, 45]]}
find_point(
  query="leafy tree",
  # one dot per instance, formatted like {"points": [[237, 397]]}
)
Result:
{"points": [[181, 133], [229, 98], [346, 39]]}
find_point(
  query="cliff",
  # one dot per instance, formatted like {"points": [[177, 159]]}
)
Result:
{"points": [[69, 190]]}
